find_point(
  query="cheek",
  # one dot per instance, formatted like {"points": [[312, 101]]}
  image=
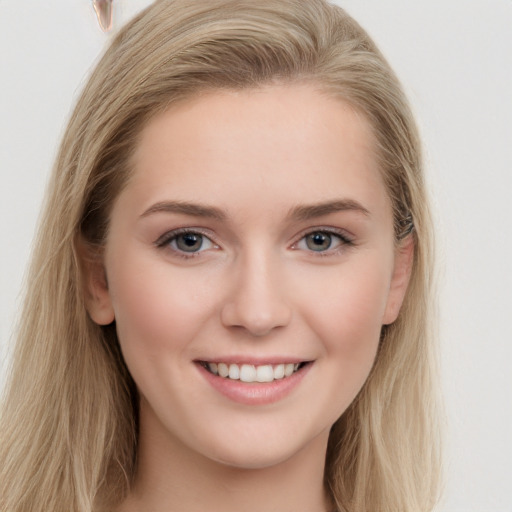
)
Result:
{"points": [[157, 309], [350, 301], [346, 314]]}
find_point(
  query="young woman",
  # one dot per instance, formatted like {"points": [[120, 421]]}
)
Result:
{"points": [[230, 297]]}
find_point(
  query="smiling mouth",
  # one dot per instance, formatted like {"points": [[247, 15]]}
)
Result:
{"points": [[253, 373]]}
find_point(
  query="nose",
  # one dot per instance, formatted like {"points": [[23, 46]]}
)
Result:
{"points": [[256, 302]]}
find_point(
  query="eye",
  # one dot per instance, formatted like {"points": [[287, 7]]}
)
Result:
{"points": [[322, 241], [189, 242]]}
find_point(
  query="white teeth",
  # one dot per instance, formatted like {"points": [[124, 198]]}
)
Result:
{"points": [[247, 373], [288, 369], [223, 369], [265, 373], [251, 373], [234, 372], [279, 371]]}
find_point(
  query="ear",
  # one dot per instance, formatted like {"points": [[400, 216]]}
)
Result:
{"points": [[96, 293], [404, 257]]}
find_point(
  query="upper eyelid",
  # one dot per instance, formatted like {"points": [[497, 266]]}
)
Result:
{"points": [[169, 235], [346, 242], [342, 233], [173, 233]]}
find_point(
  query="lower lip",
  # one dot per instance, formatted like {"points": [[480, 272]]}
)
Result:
{"points": [[255, 393]]}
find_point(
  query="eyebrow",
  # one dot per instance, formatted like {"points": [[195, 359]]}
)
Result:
{"points": [[192, 209], [307, 212], [298, 213]]}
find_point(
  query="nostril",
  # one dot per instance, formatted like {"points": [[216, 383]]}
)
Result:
{"points": [[252, 319], [255, 300]]}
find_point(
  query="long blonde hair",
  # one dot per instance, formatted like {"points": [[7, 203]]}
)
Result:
{"points": [[69, 418]]}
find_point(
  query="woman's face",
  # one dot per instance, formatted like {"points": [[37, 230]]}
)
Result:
{"points": [[254, 237]]}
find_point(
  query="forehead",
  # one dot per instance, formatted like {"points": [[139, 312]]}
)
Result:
{"points": [[279, 141]]}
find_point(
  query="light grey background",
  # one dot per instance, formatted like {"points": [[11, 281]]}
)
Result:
{"points": [[455, 60]]}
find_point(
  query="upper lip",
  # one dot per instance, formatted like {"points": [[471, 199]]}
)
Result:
{"points": [[256, 361]]}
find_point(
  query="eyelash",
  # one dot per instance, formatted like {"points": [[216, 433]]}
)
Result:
{"points": [[345, 241], [166, 239]]}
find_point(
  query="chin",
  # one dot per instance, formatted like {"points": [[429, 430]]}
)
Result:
{"points": [[252, 461], [264, 451]]}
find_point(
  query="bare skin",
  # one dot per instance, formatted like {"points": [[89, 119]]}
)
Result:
{"points": [[195, 484], [255, 231]]}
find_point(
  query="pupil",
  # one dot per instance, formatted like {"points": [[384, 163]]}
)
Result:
{"points": [[189, 242], [318, 241]]}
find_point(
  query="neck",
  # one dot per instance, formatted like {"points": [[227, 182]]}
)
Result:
{"points": [[172, 478]]}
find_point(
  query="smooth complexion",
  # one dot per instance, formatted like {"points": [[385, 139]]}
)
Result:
{"points": [[255, 229]]}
